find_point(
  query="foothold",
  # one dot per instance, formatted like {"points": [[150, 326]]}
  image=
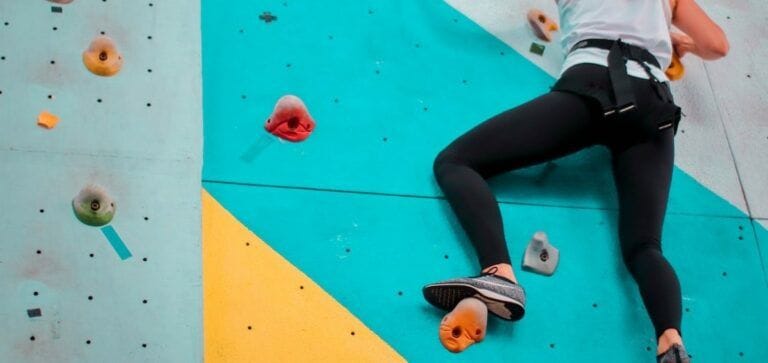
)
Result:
{"points": [[540, 256], [102, 57], [47, 120], [93, 206], [537, 48], [542, 25], [290, 120], [267, 17], [56, 9], [464, 326], [34, 313], [676, 70]]}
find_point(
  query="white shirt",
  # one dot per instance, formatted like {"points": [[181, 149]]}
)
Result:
{"points": [[644, 23]]}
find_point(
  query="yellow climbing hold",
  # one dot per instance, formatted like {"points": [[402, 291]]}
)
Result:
{"points": [[676, 70], [258, 307], [47, 120], [102, 57]]}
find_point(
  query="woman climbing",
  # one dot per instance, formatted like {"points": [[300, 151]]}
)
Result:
{"points": [[612, 91]]}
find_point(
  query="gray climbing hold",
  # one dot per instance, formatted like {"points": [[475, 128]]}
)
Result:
{"points": [[540, 256], [93, 206]]}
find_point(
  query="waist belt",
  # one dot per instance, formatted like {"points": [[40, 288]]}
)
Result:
{"points": [[618, 54]]}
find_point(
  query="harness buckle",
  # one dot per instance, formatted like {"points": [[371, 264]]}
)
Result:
{"points": [[626, 107], [620, 109]]}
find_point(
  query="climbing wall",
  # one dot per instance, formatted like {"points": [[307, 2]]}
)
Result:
{"points": [[356, 210], [129, 291], [318, 250]]}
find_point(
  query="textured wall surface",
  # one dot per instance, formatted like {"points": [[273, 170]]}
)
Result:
{"points": [[318, 250], [355, 207], [138, 135]]}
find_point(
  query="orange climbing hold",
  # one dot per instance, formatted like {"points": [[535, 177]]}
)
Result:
{"points": [[47, 120], [542, 25], [290, 120], [464, 326], [676, 70], [102, 57]]}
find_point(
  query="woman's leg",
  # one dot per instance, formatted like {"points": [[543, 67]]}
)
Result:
{"points": [[545, 128], [642, 174]]}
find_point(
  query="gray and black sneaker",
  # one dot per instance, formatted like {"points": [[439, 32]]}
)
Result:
{"points": [[503, 297], [675, 354]]}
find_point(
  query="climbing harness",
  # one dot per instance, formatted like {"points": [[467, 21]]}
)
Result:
{"points": [[622, 98]]}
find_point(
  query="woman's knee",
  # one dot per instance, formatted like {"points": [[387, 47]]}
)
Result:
{"points": [[444, 161], [640, 251]]}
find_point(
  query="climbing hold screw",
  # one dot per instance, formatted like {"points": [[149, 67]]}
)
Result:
{"points": [[544, 256]]}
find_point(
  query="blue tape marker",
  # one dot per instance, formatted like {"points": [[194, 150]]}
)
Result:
{"points": [[257, 147], [116, 242]]}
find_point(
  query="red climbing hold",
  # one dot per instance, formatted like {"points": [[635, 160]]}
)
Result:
{"points": [[290, 120]]}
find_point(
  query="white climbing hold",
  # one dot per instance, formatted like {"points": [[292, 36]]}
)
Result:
{"points": [[540, 256]]}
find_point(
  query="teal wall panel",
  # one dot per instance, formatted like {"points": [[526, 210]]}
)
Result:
{"points": [[121, 124], [147, 157], [356, 208], [761, 236], [390, 84]]}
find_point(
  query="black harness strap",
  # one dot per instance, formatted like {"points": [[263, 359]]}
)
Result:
{"points": [[618, 54], [622, 97]]}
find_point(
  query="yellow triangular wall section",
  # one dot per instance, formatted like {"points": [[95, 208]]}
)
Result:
{"points": [[248, 284]]}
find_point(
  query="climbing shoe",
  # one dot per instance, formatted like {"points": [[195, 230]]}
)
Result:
{"points": [[503, 297], [675, 354]]}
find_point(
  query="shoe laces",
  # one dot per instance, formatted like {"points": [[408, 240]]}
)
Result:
{"points": [[491, 271]]}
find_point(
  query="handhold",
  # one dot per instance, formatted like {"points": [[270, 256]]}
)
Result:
{"points": [[93, 206], [47, 120], [290, 120], [102, 57], [61, 1], [540, 256], [542, 25], [676, 70]]}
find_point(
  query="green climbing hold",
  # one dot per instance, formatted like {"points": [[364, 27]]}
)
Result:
{"points": [[537, 48], [93, 206]]}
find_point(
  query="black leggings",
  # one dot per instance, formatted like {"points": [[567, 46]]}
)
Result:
{"points": [[557, 124]]}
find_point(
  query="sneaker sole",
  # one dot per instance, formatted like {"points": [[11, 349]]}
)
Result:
{"points": [[446, 296]]}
